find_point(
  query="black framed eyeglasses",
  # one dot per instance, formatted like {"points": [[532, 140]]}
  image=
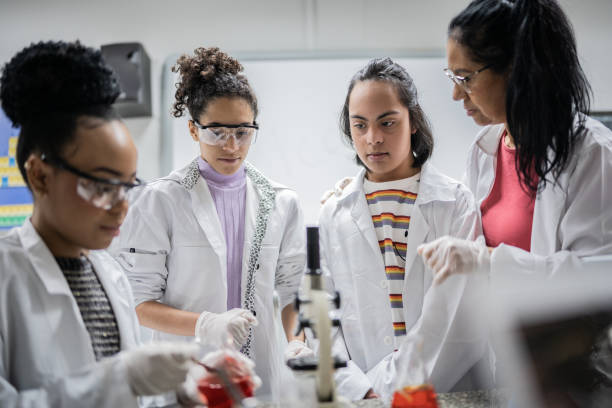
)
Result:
{"points": [[99, 192], [219, 134], [463, 81]]}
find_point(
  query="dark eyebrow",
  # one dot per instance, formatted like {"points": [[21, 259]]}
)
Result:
{"points": [[382, 115], [387, 114]]}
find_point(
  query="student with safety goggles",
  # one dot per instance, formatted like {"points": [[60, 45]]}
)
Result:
{"points": [[68, 331], [100, 192], [206, 246], [218, 134]]}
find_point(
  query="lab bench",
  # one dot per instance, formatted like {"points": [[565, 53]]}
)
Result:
{"points": [[468, 399]]}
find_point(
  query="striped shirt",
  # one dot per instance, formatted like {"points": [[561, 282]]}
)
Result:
{"points": [[95, 308], [390, 205]]}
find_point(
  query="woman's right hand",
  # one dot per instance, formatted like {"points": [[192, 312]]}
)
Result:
{"points": [[371, 394], [215, 326], [158, 367]]}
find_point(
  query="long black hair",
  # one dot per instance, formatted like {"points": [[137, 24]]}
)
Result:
{"points": [[49, 88], [385, 69], [205, 76], [533, 43]]}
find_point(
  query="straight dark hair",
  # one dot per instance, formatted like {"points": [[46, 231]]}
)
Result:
{"points": [[533, 43], [385, 69]]}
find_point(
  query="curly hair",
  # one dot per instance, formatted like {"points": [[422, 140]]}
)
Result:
{"points": [[48, 87], [205, 76], [385, 69]]}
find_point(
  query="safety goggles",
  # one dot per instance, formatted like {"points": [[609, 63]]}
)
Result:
{"points": [[99, 192], [463, 81], [219, 134]]}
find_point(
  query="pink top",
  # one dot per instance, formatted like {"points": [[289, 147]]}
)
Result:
{"points": [[507, 213]]}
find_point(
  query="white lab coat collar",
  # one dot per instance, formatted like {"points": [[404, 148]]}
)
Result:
{"points": [[108, 271], [206, 213], [434, 186], [546, 219], [488, 138], [43, 260]]}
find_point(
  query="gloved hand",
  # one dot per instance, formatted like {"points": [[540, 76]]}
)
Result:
{"points": [[235, 364], [158, 367], [215, 326], [296, 349], [338, 189], [449, 255]]}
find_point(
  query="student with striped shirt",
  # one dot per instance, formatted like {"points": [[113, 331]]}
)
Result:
{"points": [[369, 235]]}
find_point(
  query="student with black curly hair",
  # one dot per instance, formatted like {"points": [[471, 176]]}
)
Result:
{"points": [[206, 246], [67, 324], [541, 172]]}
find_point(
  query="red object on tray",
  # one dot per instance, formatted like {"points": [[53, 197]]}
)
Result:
{"points": [[422, 396], [214, 394]]}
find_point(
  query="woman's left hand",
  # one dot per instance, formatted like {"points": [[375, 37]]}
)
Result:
{"points": [[297, 349]]}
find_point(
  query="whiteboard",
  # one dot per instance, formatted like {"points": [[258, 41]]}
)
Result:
{"points": [[299, 142]]}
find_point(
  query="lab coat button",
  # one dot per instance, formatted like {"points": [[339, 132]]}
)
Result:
{"points": [[388, 340], [383, 283], [257, 266]]}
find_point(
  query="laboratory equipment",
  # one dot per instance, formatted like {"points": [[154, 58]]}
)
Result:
{"points": [[314, 307], [412, 386], [225, 385], [229, 380]]}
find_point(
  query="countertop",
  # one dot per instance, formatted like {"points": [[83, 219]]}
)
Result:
{"points": [[469, 399]]}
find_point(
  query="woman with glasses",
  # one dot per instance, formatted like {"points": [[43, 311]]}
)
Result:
{"points": [[67, 325], [206, 247], [541, 172], [369, 234]]}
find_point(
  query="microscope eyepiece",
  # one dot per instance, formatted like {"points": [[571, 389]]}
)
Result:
{"points": [[312, 249]]}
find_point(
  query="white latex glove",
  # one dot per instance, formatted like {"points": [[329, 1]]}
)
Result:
{"points": [[337, 191], [215, 326], [449, 255], [158, 367], [296, 349]]}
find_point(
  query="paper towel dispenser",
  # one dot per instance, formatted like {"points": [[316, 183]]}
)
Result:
{"points": [[133, 67]]}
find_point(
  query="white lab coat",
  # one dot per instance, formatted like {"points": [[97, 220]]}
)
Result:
{"points": [[179, 257], [571, 219], [47, 359], [454, 339]]}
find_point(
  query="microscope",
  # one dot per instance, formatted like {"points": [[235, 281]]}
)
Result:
{"points": [[314, 308]]}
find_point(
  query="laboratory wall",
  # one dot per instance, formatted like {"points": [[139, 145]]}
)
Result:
{"points": [[268, 26]]}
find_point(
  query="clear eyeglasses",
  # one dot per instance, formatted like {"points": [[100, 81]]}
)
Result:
{"points": [[219, 134], [99, 192], [463, 81]]}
